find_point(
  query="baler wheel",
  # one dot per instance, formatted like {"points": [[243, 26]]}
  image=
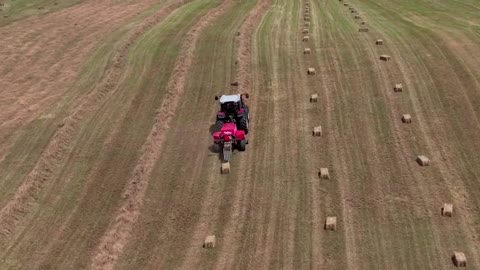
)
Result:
{"points": [[242, 145]]}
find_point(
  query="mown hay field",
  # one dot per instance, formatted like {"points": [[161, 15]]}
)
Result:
{"points": [[106, 158]]}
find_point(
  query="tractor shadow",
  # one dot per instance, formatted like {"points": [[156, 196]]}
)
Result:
{"points": [[214, 151]]}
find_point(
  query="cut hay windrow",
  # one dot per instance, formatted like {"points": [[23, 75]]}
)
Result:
{"points": [[243, 72]]}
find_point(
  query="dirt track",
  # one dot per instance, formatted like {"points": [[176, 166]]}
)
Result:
{"points": [[106, 161]]}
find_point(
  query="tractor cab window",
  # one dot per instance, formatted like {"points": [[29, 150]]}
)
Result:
{"points": [[230, 107]]}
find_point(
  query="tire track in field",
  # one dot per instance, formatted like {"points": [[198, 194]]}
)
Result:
{"points": [[57, 149], [116, 237]]}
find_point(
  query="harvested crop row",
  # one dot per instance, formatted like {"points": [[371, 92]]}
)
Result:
{"points": [[243, 75]]}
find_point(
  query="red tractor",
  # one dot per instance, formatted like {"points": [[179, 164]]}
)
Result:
{"points": [[233, 108], [232, 125]]}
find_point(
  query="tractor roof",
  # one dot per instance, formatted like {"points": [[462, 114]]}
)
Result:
{"points": [[229, 98]]}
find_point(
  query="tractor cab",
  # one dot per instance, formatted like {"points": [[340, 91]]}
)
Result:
{"points": [[230, 104], [232, 107], [233, 110]]}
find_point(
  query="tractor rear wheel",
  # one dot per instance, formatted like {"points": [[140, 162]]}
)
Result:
{"points": [[247, 112], [242, 145], [217, 127], [243, 124]]}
